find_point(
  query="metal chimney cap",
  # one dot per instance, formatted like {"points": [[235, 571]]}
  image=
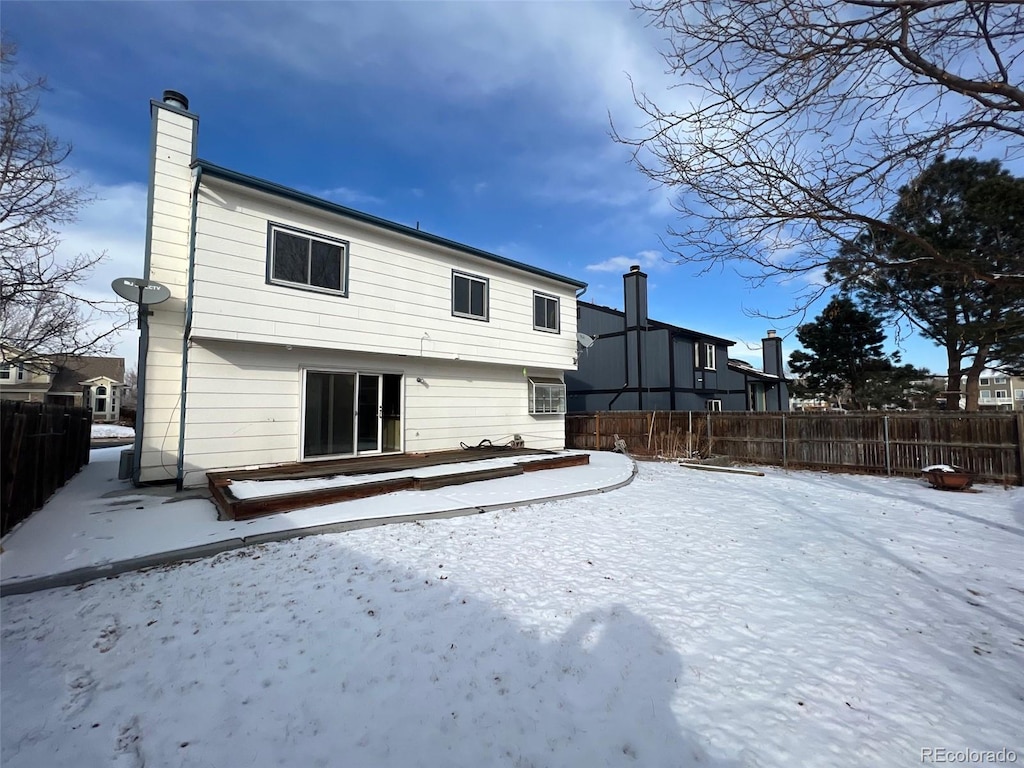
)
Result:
{"points": [[176, 99], [771, 333], [634, 268]]}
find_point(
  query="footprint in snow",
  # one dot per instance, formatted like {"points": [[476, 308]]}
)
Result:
{"points": [[128, 749], [80, 684], [108, 636]]}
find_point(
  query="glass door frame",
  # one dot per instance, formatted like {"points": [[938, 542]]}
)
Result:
{"points": [[303, 391]]}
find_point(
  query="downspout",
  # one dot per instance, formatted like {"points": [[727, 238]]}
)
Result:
{"points": [[180, 481], [140, 396], [618, 394]]}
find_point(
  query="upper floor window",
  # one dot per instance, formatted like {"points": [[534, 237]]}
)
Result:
{"points": [[1001, 394], [986, 394], [704, 355], [10, 372], [469, 296], [306, 260], [545, 312], [984, 381], [713, 405]]}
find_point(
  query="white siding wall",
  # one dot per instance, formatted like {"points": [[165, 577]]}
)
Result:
{"points": [[399, 299], [245, 403], [168, 250]]}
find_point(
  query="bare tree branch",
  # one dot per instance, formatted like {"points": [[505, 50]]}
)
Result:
{"points": [[43, 314], [797, 121]]}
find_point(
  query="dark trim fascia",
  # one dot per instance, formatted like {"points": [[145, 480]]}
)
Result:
{"points": [[677, 390], [658, 325], [270, 187], [755, 374]]}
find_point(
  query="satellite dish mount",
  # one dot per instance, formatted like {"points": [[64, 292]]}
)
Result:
{"points": [[141, 292]]}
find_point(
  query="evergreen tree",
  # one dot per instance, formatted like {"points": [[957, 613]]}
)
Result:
{"points": [[973, 212], [845, 354]]}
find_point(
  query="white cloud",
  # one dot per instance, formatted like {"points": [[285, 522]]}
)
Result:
{"points": [[114, 224], [348, 196], [648, 260]]}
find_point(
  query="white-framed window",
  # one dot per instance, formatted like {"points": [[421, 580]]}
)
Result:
{"points": [[1000, 379], [705, 355], [714, 405], [469, 296], [986, 394], [984, 381], [100, 400], [306, 260], [547, 396], [545, 312], [1018, 394], [1001, 394], [9, 372]]}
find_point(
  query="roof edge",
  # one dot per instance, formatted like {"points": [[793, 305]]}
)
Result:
{"points": [[272, 188]]}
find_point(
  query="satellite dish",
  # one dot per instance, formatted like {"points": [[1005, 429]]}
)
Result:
{"points": [[585, 341], [142, 292]]}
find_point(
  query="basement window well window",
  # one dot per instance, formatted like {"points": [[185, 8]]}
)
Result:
{"points": [[547, 396], [305, 260], [469, 296], [545, 312]]}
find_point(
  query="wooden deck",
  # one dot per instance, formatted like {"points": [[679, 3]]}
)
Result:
{"points": [[233, 508]]}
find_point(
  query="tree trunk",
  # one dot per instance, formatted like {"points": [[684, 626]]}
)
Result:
{"points": [[953, 374], [972, 387]]}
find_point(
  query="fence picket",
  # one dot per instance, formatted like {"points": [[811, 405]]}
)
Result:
{"points": [[991, 445], [44, 446]]}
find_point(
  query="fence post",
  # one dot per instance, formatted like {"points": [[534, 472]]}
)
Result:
{"points": [[888, 459], [709, 433], [1020, 447], [597, 431], [784, 457], [689, 435]]}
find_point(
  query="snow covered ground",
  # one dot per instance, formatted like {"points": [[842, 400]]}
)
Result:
{"points": [[100, 431], [689, 618]]}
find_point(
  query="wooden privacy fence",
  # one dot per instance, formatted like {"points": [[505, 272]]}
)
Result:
{"points": [[991, 445], [43, 447]]}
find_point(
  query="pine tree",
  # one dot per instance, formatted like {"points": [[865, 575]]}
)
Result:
{"points": [[973, 212], [846, 353]]}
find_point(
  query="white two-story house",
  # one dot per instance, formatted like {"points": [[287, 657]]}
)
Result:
{"points": [[299, 329]]}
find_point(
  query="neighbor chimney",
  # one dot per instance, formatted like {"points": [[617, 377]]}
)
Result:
{"points": [[635, 286], [771, 350]]}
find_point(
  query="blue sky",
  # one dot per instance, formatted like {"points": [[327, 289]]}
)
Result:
{"points": [[486, 123]]}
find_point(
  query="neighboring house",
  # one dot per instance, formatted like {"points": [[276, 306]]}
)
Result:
{"points": [[636, 363], [999, 392], [301, 329], [90, 382]]}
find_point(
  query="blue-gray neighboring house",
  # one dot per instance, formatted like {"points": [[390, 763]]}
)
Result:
{"points": [[636, 363]]}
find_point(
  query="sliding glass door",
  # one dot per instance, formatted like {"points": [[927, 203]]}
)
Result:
{"points": [[368, 413], [343, 414]]}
